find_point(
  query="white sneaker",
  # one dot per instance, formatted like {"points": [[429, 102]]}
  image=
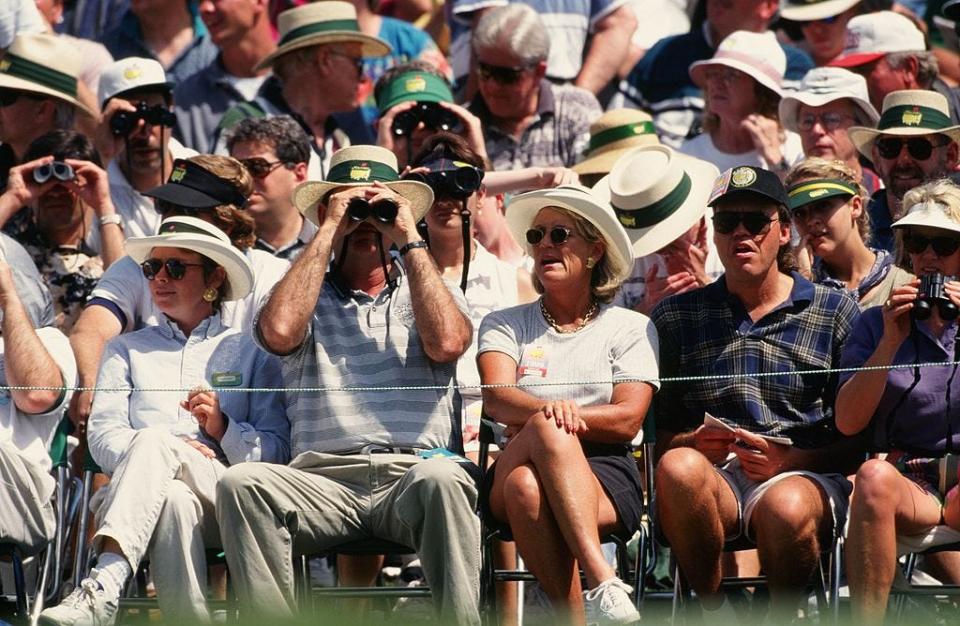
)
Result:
{"points": [[88, 605], [610, 603]]}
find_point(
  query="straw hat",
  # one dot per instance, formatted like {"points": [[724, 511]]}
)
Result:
{"points": [[361, 166], [132, 74], [581, 201], [810, 10], [318, 23], [191, 233], [657, 195], [615, 133], [905, 113], [823, 85], [43, 64], [758, 55]]}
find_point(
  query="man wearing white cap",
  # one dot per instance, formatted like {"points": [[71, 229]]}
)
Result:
{"points": [[137, 119], [831, 100], [890, 51]]}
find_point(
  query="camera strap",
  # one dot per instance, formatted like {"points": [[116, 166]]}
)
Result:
{"points": [[467, 247]]}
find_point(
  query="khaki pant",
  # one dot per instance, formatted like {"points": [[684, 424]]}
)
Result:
{"points": [[27, 518], [321, 500]]}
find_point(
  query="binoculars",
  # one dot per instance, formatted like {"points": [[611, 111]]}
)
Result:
{"points": [[123, 122], [384, 211], [55, 169], [449, 178], [932, 295], [433, 116]]}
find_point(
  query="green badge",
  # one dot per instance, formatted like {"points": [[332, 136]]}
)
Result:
{"points": [[226, 379]]}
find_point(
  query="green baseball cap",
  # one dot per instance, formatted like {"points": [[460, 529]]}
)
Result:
{"points": [[413, 86]]}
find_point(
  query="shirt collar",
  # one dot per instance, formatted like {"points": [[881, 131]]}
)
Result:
{"points": [[546, 102], [802, 291], [307, 230], [208, 327]]}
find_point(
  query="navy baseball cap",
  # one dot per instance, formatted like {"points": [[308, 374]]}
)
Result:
{"points": [[194, 187], [746, 179]]}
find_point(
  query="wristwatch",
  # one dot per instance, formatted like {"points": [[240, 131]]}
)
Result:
{"points": [[413, 244], [113, 218]]}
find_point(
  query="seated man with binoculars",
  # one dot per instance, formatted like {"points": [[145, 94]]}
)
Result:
{"points": [[375, 454]]}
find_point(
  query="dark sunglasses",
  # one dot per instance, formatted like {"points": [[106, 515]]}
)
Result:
{"points": [[500, 74], [55, 169], [176, 269], [259, 167], [558, 235], [942, 246], [8, 97], [725, 222], [918, 147]]}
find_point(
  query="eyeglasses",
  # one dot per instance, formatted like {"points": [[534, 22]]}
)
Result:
{"points": [[357, 61], [260, 167], [8, 97], [55, 169], [558, 235], [829, 121], [723, 74], [501, 74], [919, 148], [942, 246], [176, 269], [725, 222]]}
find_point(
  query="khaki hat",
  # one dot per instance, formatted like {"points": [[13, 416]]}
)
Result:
{"points": [[811, 10], [361, 166], [657, 195], [905, 113], [43, 64], [823, 85], [330, 21], [614, 134]]}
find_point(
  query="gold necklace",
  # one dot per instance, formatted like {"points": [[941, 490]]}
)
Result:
{"points": [[554, 325]]}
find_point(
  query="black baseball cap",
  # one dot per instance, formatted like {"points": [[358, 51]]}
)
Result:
{"points": [[192, 186], [746, 179]]}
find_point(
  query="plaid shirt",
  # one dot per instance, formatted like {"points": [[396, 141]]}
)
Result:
{"points": [[707, 332]]}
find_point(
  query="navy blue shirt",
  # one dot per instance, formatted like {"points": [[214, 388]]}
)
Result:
{"points": [[881, 234]]}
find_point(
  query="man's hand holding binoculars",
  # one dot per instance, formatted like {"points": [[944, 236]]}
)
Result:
{"points": [[387, 211]]}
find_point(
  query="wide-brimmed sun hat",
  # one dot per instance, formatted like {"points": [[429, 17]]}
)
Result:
{"points": [[582, 202], [657, 195], [191, 233], [810, 10], [361, 166], [929, 214], [43, 64], [823, 85], [875, 35], [906, 113], [330, 21], [614, 134], [132, 74], [758, 55]]}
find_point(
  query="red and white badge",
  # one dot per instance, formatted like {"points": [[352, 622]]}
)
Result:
{"points": [[533, 362]]}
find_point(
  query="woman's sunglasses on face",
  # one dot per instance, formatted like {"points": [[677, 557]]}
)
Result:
{"points": [[725, 222], [557, 234], [176, 269], [942, 246]]}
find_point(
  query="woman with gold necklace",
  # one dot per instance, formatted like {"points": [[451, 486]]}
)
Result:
{"points": [[566, 477]]}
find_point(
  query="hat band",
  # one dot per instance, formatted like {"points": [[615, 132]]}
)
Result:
{"points": [[610, 135], [659, 210], [913, 116], [761, 66], [813, 190], [357, 171], [319, 27], [20, 67], [179, 228]]}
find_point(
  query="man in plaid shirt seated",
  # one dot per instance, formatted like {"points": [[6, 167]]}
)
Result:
{"points": [[751, 456]]}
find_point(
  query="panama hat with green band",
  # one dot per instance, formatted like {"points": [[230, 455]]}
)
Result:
{"points": [[614, 134], [808, 191], [43, 64], [361, 166], [413, 86], [906, 113], [316, 23]]}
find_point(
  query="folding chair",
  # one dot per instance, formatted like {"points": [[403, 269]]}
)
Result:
{"points": [[937, 539]]}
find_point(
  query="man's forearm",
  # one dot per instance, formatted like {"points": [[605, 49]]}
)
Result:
{"points": [[608, 46], [27, 362], [444, 330]]}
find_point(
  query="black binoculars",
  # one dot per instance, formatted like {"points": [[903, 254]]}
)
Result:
{"points": [[450, 179], [123, 122], [384, 211], [433, 116], [931, 295]]}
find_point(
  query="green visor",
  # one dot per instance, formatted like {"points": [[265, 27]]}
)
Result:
{"points": [[813, 190]]}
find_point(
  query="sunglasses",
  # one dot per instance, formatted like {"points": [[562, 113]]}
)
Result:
{"points": [[55, 169], [918, 147], [558, 235], [176, 269], [829, 121], [725, 222], [259, 167], [8, 97], [501, 74], [356, 61], [942, 246]]}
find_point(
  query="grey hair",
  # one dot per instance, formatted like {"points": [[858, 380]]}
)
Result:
{"points": [[516, 28], [64, 115], [927, 67]]}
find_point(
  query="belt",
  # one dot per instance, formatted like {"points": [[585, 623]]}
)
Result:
{"points": [[378, 449]]}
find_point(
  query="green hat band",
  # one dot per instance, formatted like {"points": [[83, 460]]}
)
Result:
{"points": [[356, 171], [320, 27], [413, 86], [813, 190], [20, 67], [659, 210], [176, 228], [912, 116], [607, 137]]}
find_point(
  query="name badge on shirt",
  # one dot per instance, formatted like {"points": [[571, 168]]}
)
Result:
{"points": [[533, 362], [226, 379]]}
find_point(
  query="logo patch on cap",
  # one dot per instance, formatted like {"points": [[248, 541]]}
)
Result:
{"points": [[132, 72], [360, 172], [912, 118], [4, 65], [178, 174], [816, 193], [743, 177], [415, 84]]}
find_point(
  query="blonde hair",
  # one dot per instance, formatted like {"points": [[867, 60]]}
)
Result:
{"points": [[231, 219], [942, 192], [605, 278], [816, 168]]}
